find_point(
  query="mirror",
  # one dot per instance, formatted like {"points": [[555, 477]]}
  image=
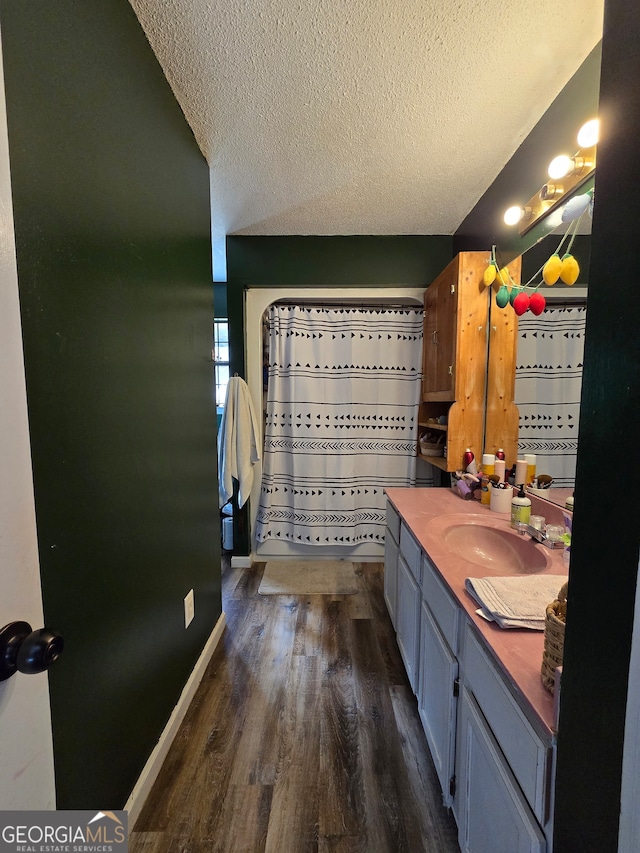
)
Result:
{"points": [[555, 132], [548, 373], [558, 496]]}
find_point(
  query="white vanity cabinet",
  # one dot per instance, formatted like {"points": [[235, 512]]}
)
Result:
{"points": [[500, 759], [438, 681], [408, 604], [391, 553], [492, 813], [494, 755]]}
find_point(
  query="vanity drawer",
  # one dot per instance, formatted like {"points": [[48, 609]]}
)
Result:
{"points": [[442, 607], [411, 552], [393, 522], [529, 757]]}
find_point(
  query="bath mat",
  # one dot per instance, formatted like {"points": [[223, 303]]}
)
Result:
{"points": [[308, 577]]}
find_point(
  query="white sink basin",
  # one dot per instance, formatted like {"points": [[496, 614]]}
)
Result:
{"points": [[488, 544]]}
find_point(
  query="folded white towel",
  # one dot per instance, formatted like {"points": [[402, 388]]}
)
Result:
{"points": [[515, 602]]}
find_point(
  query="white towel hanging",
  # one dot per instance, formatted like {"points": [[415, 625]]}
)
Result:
{"points": [[238, 442]]}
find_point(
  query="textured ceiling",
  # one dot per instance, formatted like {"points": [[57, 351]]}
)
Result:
{"points": [[362, 116]]}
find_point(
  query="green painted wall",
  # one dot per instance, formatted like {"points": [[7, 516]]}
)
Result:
{"points": [[341, 261], [111, 204], [604, 566]]}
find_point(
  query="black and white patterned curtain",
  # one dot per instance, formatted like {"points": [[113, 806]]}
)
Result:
{"points": [[548, 386], [343, 393]]}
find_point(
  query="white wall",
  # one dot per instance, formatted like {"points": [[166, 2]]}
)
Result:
{"points": [[256, 303], [26, 750]]}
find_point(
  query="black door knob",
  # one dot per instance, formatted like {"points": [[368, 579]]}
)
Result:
{"points": [[25, 650], [39, 650]]}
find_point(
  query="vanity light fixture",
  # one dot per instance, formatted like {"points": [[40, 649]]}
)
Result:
{"points": [[567, 174], [516, 214], [560, 166], [589, 133], [563, 166], [552, 191]]}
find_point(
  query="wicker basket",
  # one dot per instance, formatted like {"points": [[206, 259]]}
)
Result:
{"points": [[554, 622], [430, 446]]}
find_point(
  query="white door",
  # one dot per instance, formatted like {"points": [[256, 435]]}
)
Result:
{"points": [[26, 750]]}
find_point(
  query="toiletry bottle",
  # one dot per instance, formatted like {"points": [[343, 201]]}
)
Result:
{"points": [[469, 462], [531, 467], [488, 463], [520, 508], [499, 469]]}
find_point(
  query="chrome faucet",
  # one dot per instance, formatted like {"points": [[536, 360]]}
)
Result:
{"points": [[538, 535]]}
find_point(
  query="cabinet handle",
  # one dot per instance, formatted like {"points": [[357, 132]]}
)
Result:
{"points": [[450, 370], [434, 337]]}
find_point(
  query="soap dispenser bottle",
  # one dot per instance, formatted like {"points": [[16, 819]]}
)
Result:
{"points": [[520, 508]]}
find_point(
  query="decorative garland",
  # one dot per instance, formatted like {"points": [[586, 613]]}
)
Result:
{"points": [[526, 297]]}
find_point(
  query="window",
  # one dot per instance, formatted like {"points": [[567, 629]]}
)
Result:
{"points": [[221, 358]]}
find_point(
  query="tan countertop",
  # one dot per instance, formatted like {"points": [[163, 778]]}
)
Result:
{"points": [[518, 652]]}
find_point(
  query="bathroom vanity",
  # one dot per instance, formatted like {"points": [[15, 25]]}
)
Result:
{"points": [[487, 718]]}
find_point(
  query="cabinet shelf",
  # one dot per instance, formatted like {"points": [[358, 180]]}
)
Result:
{"points": [[427, 425], [437, 461]]}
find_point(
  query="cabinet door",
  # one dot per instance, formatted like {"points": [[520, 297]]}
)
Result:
{"points": [[429, 347], [446, 335], [493, 815], [408, 618], [437, 702], [439, 336], [391, 575]]}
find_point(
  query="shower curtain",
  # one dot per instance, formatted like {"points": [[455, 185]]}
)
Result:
{"points": [[342, 401], [548, 385]]}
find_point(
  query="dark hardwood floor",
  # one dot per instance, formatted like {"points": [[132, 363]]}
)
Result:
{"points": [[303, 736]]}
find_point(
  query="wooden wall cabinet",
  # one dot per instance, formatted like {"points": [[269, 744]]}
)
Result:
{"points": [[501, 413], [462, 379]]}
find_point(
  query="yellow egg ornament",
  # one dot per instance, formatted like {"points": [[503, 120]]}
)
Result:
{"points": [[551, 270], [502, 278], [570, 270], [489, 275]]}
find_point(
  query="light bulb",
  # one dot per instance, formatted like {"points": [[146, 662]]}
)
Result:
{"points": [[560, 166], [588, 133], [513, 215]]}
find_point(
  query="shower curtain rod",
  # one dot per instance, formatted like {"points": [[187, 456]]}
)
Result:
{"points": [[347, 303]]}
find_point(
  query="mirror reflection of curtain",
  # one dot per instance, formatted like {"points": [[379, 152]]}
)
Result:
{"points": [[343, 391], [548, 385]]}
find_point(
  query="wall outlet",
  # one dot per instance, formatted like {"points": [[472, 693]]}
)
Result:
{"points": [[189, 608]]}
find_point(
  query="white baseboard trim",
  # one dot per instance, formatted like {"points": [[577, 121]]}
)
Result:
{"points": [[151, 769], [241, 562]]}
